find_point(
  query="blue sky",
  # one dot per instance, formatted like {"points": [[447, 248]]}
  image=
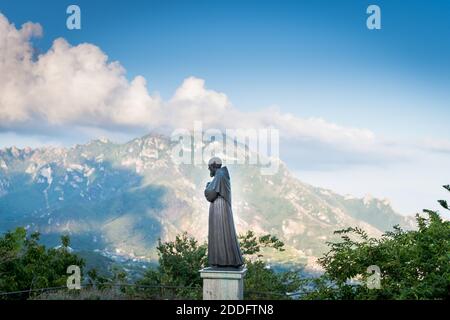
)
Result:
{"points": [[307, 58], [316, 58]]}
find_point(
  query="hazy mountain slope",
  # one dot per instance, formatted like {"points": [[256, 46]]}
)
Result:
{"points": [[123, 197]]}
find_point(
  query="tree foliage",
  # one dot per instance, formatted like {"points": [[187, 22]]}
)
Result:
{"points": [[261, 281], [177, 274], [414, 264], [27, 265], [180, 261]]}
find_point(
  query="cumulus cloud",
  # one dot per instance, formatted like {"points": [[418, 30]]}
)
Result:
{"points": [[193, 101], [66, 85], [78, 87]]}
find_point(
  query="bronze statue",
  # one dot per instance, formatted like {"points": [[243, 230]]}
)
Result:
{"points": [[223, 245]]}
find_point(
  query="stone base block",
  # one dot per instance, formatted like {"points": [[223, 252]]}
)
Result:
{"points": [[223, 283]]}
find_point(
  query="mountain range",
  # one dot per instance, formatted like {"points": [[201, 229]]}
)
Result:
{"points": [[119, 199]]}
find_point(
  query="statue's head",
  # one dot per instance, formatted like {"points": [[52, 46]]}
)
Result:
{"points": [[213, 165]]}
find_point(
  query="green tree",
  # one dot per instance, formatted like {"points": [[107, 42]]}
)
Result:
{"points": [[177, 274], [27, 265], [262, 282], [414, 264], [180, 260]]}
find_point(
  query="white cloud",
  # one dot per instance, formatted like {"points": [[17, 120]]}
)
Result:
{"points": [[77, 88], [193, 101], [66, 85]]}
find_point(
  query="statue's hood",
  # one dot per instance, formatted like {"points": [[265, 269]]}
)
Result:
{"points": [[224, 172], [221, 183]]}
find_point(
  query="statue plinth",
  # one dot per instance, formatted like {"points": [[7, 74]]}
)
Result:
{"points": [[223, 283]]}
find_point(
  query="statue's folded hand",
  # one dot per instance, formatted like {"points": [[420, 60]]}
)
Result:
{"points": [[211, 195]]}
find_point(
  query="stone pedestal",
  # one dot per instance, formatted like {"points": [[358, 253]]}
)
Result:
{"points": [[223, 283]]}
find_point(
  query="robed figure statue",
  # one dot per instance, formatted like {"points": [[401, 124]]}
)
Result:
{"points": [[223, 245]]}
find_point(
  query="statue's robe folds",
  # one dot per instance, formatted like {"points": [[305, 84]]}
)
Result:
{"points": [[223, 246]]}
